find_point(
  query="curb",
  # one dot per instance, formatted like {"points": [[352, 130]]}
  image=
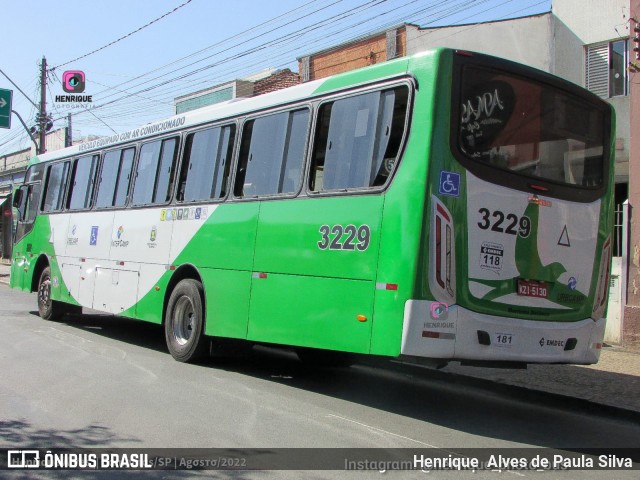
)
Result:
{"points": [[574, 404]]}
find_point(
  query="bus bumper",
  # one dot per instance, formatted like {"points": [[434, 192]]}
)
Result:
{"points": [[436, 330]]}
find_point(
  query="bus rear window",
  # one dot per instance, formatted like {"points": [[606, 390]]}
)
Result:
{"points": [[530, 128]]}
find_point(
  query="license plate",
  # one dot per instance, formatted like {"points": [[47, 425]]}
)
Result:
{"points": [[533, 288]]}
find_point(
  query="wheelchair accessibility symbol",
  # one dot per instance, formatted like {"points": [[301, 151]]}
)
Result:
{"points": [[449, 184]]}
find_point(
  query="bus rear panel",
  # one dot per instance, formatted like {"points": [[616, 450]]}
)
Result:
{"points": [[519, 221]]}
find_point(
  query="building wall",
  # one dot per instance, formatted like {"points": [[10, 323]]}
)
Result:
{"points": [[593, 21], [269, 80], [17, 161], [567, 54], [587, 22], [213, 95], [351, 56], [631, 332], [623, 137], [55, 141], [279, 80], [14, 160], [526, 40]]}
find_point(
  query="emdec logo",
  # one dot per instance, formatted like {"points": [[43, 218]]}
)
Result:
{"points": [[73, 81]]}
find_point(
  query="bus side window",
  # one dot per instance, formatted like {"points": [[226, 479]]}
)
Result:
{"points": [[107, 179], [82, 182], [21, 202], [31, 207], [272, 154], [113, 183], [205, 164], [154, 176], [123, 184], [55, 187], [358, 139]]}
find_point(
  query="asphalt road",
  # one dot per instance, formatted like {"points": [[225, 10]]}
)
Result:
{"points": [[100, 381]]}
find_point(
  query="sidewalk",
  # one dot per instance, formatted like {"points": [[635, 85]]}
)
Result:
{"points": [[614, 381], [5, 268]]}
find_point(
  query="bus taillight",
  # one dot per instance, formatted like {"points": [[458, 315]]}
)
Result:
{"points": [[442, 254], [603, 281]]}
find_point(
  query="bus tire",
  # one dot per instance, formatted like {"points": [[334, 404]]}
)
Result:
{"points": [[48, 309], [184, 321]]}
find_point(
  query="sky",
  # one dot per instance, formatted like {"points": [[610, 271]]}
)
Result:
{"points": [[138, 55]]}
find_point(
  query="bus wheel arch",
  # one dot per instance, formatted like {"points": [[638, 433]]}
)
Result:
{"points": [[48, 309], [41, 264], [41, 281], [184, 315]]}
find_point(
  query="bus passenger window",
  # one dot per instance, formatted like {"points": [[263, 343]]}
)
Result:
{"points": [[21, 201], [82, 182], [113, 185], [154, 175], [358, 139], [31, 207], [272, 154], [55, 187], [205, 164]]}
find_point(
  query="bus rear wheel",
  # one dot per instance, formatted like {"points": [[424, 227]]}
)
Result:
{"points": [[184, 321], [47, 308]]}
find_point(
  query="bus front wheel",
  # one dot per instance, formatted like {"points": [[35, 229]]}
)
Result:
{"points": [[184, 321], [47, 308]]}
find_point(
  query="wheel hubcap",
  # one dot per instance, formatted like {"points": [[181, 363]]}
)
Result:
{"points": [[44, 293], [183, 320]]}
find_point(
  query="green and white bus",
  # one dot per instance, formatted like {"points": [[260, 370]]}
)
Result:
{"points": [[447, 205]]}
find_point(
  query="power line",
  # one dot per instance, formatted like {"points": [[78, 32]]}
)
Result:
{"points": [[124, 36], [278, 41], [255, 37], [241, 54], [328, 28], [19, 89]]}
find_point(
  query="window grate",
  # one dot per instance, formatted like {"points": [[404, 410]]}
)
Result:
{"points": [[597, 70]]}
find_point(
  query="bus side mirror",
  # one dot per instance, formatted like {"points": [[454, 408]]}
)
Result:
{"points": [[17, 198]]}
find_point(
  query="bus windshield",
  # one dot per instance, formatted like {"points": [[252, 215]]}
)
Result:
{"points": [[530, 128]]}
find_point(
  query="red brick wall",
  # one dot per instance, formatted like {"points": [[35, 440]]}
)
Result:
{"points": [[279, 80], [355, 55]]}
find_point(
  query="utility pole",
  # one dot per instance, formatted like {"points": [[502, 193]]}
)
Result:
{"points": [[68, 138], [42, 118]]}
